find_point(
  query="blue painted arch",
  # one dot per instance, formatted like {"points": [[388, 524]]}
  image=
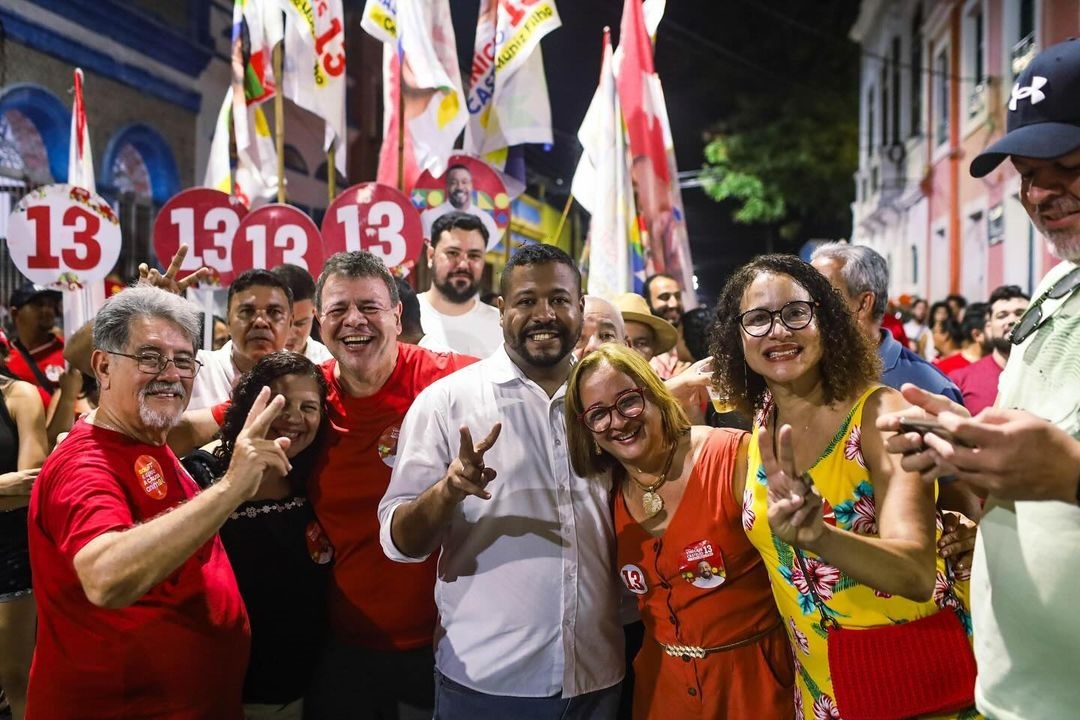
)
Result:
{"points": [[51, 118], [155, 151]]}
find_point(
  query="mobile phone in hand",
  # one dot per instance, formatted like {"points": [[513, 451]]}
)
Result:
{"points": [[926, 425]]}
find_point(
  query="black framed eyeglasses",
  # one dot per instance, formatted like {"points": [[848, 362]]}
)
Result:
{"points": [[629, 403], [794, 315], [155, 364], [1033, 318]]}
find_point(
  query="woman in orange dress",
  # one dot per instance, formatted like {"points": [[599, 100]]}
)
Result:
{"points": [[715, 646]]}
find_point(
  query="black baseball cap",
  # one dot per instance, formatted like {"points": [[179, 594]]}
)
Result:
{"points": [[30, 292], [1044, 110]]}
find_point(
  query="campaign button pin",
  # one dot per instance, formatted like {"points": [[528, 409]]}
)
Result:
{"points": [[149, 473]]}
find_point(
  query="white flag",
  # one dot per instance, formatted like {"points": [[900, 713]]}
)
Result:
{"points": [[602, 185], [218, 170], [314, 66], [81, 302], [508, 98]]}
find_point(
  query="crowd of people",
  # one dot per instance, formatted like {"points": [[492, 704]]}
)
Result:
{"points": [[373, 503]]}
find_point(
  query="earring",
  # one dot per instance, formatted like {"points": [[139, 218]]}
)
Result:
{"points": [[596, 447]]}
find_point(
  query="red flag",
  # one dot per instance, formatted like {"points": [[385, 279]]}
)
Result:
{"points": [[634, 76], [80, 158]]}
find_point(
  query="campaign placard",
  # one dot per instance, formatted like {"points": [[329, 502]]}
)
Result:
{"points": [[62, 232]]}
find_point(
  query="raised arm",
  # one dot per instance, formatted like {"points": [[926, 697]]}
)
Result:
{"points": [[900, 561], [417, 525]]}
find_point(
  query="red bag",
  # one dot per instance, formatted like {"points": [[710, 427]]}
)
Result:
{"points": [[916, 668], [921, 667]]}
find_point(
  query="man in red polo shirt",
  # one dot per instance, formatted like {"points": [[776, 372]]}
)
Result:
{"points": [[37, 354], [379, 662], [139, 615]]}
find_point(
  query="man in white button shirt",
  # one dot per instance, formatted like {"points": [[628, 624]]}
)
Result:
{"points": [[451, 313], [526, 589]]}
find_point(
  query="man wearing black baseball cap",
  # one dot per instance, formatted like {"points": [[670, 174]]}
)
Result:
{"points": [[36, 351], [1025, 452]]}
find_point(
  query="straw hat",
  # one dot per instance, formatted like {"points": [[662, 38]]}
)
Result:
{"points": [[634, 308]]}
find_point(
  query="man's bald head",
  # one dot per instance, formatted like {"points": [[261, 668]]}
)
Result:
{"points": [[603, 323]]}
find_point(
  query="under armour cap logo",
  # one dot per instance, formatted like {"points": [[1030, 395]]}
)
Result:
{"points": [[1032, 91]]}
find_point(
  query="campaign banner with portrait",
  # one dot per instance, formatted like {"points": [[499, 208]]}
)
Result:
{"points": [[468, 185]]}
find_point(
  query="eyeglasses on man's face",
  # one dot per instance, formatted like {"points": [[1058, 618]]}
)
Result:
{"points": [[795, 315], [629, 403], [153, 363]]}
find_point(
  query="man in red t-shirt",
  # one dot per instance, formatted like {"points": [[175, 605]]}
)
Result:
{"points": [[979, 380], [139, 615], [37, 354], [379, 662]]}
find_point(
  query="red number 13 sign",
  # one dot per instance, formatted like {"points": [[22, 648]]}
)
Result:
{"points": [[60, 229]]}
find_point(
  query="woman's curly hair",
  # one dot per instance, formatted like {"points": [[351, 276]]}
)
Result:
{"points": [[849, 362], [266, 370]]}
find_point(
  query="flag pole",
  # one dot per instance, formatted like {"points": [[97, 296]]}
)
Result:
{"points": [[507, 241], [562, 220], [279, 121], [331, 173], [401, 123]]}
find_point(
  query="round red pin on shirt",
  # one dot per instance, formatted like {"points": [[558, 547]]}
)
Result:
{"points": [[149, 473]]}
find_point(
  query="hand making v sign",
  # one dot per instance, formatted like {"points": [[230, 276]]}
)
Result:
{"points": [[467, 474]]}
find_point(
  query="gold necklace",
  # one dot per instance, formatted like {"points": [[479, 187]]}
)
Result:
{"points": [[651, 502]]}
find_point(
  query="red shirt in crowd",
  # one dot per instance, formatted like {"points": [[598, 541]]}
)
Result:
{"points": [[952, 363], [892, 324], [180, 651], [50, 361], [979, 383], [374, 602]]}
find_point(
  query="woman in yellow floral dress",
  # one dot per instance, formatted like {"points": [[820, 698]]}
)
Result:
{"points": [[790, 354]]}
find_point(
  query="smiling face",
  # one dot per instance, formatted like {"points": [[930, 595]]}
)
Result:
{"points": [[300, 417], [457, 263], [1050, 192], [150, 401], [459, 188], [359, 324], [631, 441], [541, 314], [665, 299], [782, 355]]}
